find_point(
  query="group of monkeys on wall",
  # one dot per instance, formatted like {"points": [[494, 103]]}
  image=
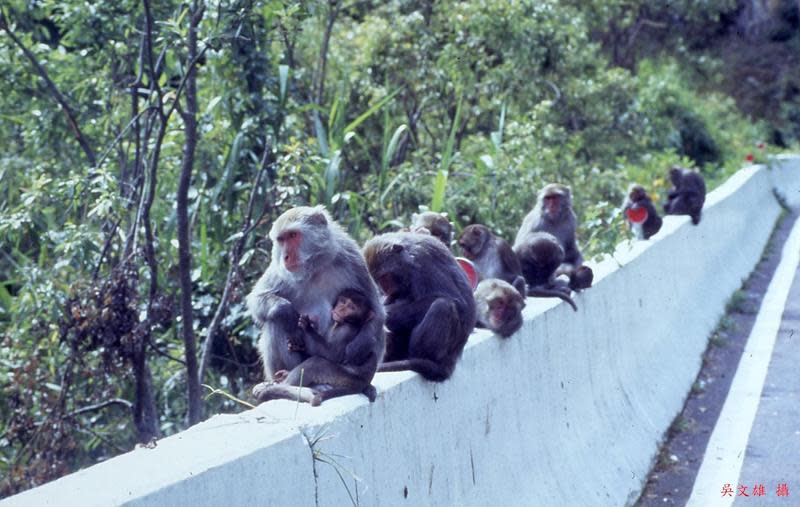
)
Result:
{"points": [[332, 314]]}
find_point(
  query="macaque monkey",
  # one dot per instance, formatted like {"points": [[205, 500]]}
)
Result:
{"points": [[688, 193], [313, 262], [499, 306], [540, 254], [492, 256], [640, 213], [350, 312], [437, 224], [553, 214], [429, 303]]}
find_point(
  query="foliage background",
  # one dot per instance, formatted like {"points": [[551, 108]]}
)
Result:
{"points": [[375, 109]]}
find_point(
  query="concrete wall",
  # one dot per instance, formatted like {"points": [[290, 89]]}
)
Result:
{"points": [[569, 411]]}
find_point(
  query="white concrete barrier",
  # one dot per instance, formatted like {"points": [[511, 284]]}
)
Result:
{"points": [[568, 412]]}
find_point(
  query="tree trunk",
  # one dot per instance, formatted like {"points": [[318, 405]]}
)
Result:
{"points": [[195, 411]]}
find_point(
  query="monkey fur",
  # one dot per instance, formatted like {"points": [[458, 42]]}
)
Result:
{"points": [[688, 194], [638, 201], [499, 305], [491, 255], [313, 261], [553, 214], [429, 303], [437, 224], [540, 255]]}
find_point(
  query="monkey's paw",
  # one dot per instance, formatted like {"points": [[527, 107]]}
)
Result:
{"points": [[316, 400], [278, 376], [259, 390]]}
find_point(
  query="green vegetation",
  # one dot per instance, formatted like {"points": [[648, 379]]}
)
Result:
{"points": [[374, 109]]}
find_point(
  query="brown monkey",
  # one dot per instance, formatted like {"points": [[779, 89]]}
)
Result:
{"points": [[553, 214], [491, 255], [540, 254], [688, 193], [640, 213], [499, 306], [437, 224], [429, 304], [350, 312], [313, 261]]}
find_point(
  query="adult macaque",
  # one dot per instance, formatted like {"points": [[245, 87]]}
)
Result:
{"points": [[540, 254], [499, 306], [640, 213], [491, 255], [429, 304], [688, 193], [437, 224], [553, 214], [313, 261]]}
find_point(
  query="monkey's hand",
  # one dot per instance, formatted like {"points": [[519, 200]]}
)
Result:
{"points": [[278, 376]]}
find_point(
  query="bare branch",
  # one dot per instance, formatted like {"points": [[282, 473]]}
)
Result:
{"points": [[59, 97], [100, 406]]}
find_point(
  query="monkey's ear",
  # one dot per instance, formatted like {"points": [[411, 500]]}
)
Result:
{"points": [[318, 218], [397, 248]]}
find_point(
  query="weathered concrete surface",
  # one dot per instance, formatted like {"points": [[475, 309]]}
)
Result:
{"points": [[569, 411]]}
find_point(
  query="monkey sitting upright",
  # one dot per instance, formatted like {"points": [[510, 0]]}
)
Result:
{"points": [[499, 306], [313, 262], [688, 193], [436, 224], [491, 255], [640, 213], [553, 214]]}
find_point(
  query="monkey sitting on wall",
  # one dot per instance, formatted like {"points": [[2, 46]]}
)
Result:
{"points": [[688, 193], [437, 224], [313, 261], [499, 306], [429, 303], [552, 214], [491, 255], [640, 213]]}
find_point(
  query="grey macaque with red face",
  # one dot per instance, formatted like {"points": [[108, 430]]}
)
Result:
{"points": [[313, 261], [499, 306], [551, 218]]}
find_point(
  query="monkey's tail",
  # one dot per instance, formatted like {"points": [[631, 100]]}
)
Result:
{"points": [[269, 392], [430, 370], [541, 292]]}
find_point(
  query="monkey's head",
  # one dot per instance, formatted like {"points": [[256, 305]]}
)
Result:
{"points": [[555, 201], [351, 307], [503, 305], [636, 193], [675, 175], [390, 263], [300, 237], [473, 240], [436, 224]]}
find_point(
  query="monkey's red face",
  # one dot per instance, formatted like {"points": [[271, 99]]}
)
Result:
{"points": [[501, 310], [290, 243], [552, 205]]}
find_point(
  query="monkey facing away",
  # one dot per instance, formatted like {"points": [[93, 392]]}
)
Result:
{"points": [[429, 303], [688, 193], [640, 213], [540, 254], [491, 255], [499, 306], [313, 261], [553, 214], [437, 224]]}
